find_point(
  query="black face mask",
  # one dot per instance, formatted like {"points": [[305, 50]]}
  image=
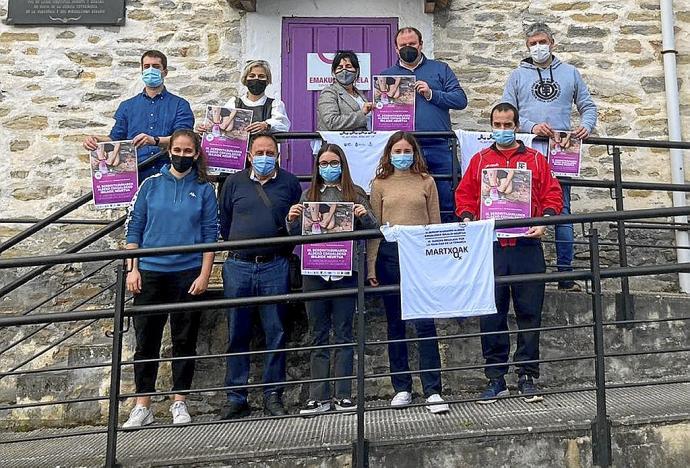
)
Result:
{"points": [[181, 163], [408, 54], [257, 87]]}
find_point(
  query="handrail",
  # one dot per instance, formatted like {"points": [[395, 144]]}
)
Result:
{"points": [[594, 217], [52, 218]]}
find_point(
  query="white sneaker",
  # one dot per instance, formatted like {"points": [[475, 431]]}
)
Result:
{"points": [[140, 416], [180, 413], [401, 399], [436, 405]]}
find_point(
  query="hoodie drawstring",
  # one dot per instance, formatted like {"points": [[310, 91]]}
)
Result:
{"points": [[541, 80]]}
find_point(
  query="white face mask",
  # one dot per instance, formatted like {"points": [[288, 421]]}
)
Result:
{"points": [[540, 52]]}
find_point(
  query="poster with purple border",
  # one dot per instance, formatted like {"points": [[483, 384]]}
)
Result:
{"points": [[225, 142], [114, 174], [394, 98], [565, 154], [327, 258], [506, 194]]}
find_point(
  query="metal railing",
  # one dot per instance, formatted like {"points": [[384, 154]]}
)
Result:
{"points": [[601, 432]]}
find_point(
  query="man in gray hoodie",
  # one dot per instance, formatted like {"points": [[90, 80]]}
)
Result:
{"points": [[544, 89]]}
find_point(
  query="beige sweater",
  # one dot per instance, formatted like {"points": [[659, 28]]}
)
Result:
{"points": [[403, 198]]}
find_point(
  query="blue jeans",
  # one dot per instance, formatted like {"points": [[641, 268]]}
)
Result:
{"points": [[565, 235], [439, 160], [388, 272], [245, 279]]}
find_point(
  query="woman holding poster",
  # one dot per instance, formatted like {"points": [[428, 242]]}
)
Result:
{"points": [[342, 107], [331, 184], [177, 206], [404, 193]]}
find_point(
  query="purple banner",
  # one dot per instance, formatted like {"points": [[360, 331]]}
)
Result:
{"points": [[327, 258], [506, 194], [114, 174], [394, 98], [225, 142], [565, 154]]}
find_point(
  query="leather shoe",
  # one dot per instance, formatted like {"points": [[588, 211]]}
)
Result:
{"points": [[234, 410], [273, 405]]}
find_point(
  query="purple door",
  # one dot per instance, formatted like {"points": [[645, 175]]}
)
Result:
{"points": [[305, 35]]}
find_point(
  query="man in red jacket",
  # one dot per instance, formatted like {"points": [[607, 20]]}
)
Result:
{"points": [[512, 256]]}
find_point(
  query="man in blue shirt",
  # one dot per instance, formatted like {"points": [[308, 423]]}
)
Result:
{"points": [[254, 204], [438, 91], [149, 118]]}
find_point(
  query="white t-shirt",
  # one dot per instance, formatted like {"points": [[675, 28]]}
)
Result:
{"points": [[363, 151], [446, 270], [471, 143]]}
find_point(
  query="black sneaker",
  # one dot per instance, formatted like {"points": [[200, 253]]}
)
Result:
{"points": [[345, 404], [273, 405], [528, 389], [497, 388], [571, 286], [315, 407], [234, 410]]}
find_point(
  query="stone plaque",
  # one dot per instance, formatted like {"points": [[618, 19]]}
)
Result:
{"points": [[62, 12]]}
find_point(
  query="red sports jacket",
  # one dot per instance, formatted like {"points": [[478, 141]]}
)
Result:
{"points": [[547, 198]]}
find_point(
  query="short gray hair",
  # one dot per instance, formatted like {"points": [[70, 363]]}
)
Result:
{"points": [[538, 28], [256, 63]]}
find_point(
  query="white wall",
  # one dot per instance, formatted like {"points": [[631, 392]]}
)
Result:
{"points": [[262, 29]]}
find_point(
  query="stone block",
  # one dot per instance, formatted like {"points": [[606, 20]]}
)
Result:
{"points": [[98, 59], [7, 37], [590, 31], [27, 122]]}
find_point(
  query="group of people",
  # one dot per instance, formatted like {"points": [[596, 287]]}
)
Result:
{"points": [[177, 205]]}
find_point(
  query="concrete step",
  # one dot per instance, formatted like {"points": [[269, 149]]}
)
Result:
{"points": [[651, 427]]}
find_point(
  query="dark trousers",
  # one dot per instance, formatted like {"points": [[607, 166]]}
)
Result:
{"points": [[162, 288], [528, 298], [388, 272], [438, 158], [246, 279], [324, 315], [565, 234]]}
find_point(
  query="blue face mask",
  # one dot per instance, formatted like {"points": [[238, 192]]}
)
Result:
{"points": [[330, 174], [503, 137], [263, 165], [152, 77], [402, 161]]}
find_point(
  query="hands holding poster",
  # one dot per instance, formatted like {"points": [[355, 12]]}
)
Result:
{"points": [[225, 139], [327, 258], [114, 174], [394, 98], [565, 154], [506, 194]]}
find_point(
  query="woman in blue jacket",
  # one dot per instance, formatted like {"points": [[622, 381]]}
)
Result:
{"points": [[177, 206]]}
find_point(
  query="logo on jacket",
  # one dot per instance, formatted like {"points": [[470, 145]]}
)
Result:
{"points": [[522, 165], [546, 90], [192, 194]]}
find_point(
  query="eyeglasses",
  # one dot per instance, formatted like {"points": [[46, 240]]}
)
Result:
{"points": [[325, 164]]}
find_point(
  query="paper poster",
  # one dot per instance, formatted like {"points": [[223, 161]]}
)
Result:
{"points": [[225, 142], [319, 71], [565, 154], [506, 194], [394, 98], [114, 174], [327, 258]]}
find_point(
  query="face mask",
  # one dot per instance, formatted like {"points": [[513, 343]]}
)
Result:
{"points": [[345, 77], [152, 77], [540, 53], [257, 87], [330, 174], [408, 54], [181, 163], [263, 165], [402, 161], [503, 137]]}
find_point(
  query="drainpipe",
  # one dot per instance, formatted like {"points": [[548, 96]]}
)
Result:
{"points": [[674, 130]]}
